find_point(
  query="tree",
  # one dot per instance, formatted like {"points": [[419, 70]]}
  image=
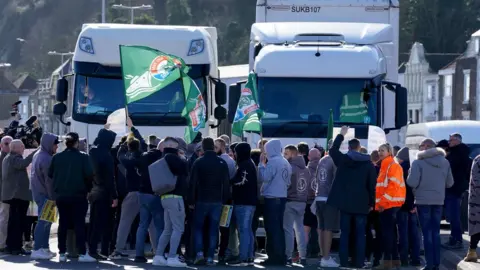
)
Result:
{"points": [[179, 12], [144, 19]]}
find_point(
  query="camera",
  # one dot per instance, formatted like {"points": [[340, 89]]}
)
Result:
{"points": [[30, 134]]}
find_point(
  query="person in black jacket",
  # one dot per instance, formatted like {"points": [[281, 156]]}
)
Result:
{"points": [[244, 194], [173, 206], [355, 179], [210, 188], [407, 219], [72, 175], [461, 164], [104, 195], [121, 184]]}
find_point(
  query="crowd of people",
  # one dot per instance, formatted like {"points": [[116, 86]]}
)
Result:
{"points": [[377, 201]]}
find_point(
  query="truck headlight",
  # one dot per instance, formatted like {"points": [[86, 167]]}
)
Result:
{"points": [[86, 44], [196, 47]]}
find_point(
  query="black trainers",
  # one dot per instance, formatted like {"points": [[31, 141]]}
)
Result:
{"points": [[238, 263], [140, 259]]}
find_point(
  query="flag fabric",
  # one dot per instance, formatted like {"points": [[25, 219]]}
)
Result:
{"points": [[330, 129], [248, 114], [146, 71], [195, 109]]}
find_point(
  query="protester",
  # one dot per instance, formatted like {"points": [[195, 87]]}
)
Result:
{"points": [[244, 195], [304, 150], [474, 211], [209, 189], [395, 150], [72, 175], [153, 142], [407, 219], [328, 216], [42, 190], [103, 196], [16, 192], [429, 176], [310, 219], [221, 150], [297, 194], [226, 139], [275, 176], [255, 156], [4, 207], [461, 164], [198, 152], [443, 144], [173, 206], [355, 179], [390, 196], [231, 153]]}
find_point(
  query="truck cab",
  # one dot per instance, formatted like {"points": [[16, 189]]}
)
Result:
{"points": [[313, 57], [98, 88]]}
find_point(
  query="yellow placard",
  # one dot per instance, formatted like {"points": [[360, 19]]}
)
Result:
{"points": [[49, 212], [226, 215]]}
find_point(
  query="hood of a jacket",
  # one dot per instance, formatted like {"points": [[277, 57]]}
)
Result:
{"points": [[105, 139], [168, 151], [434, 157], [299, 162], [460, 151], [273, 148], [242, 151], [313, 163], [357, 156], [47, 142]]}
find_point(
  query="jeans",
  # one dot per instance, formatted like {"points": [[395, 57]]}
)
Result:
{"points": [[244, 217], [360, 222], [42, 230], [72, 212], [452, 207], [150, 209], [213, 211], [16, 223], [273, 219], [374, 237], [174, 225], [388, 218], [430, 217], [100, 226], [408, 236], [4, 213]]}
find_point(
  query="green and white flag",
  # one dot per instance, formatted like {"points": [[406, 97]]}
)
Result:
{"points": [[146, 71], [248, 114], [195, 109]]}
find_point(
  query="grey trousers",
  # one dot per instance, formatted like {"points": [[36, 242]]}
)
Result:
{"points": [[130, 209], [293, 218], [4, 214], [174, 215]]}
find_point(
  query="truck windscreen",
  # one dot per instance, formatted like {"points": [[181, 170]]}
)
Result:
{"points": [[309, 100], [97, 96]]}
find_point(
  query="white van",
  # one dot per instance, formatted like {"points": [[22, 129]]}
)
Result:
{"points": [[441, 130]]}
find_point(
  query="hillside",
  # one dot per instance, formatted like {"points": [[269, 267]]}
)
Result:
{"points": [[53, 25]]}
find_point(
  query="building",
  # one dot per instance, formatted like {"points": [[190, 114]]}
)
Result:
{"points": [[460, 85], [420, 76]]}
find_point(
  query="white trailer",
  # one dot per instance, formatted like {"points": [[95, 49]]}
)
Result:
{"points": [[98, 79], [313, 56]]}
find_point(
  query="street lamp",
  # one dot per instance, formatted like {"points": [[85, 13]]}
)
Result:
{"points": [[62, 55], [132, 9]]}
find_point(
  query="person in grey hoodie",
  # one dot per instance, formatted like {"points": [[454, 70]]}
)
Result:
{"points": [[42, 190], [429, 176], [16, 192], [275, 176], [297, 194]]}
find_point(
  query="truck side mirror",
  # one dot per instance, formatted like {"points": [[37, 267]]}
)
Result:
{"points": [[220, 93], [62, 90], [234, 92], [59, 109], [401, 111], [220, 113]]}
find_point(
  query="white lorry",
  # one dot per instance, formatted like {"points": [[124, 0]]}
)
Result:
{"points": [[313, 56], [98, 88]]}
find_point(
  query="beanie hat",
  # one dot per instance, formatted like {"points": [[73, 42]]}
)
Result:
{"points": [[403, 154]]}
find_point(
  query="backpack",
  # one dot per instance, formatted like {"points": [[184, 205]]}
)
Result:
{"points": [[161, 178]]}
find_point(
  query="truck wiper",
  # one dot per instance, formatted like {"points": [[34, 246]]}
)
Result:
{"points": [[282, 126]]}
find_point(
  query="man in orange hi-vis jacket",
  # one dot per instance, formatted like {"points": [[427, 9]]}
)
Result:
{"points": [[390, 196]]}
